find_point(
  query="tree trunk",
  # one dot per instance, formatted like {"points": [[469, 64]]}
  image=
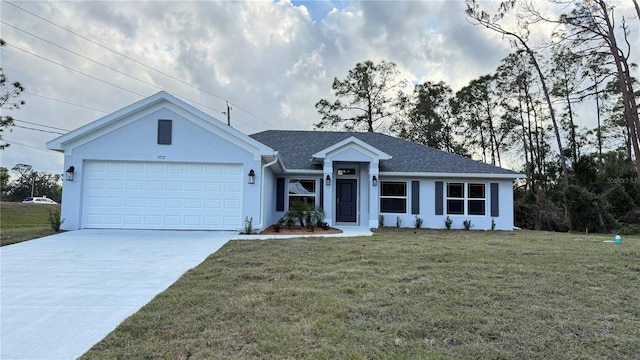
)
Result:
{"points": [[626, 86], [524, 140], [563, 161]]}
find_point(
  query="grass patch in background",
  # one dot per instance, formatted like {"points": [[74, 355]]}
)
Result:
{"points": [[21, 222], [401, 294]]}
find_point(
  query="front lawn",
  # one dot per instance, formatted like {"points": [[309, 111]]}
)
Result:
{"points": [[401, 294], [21, 222]]}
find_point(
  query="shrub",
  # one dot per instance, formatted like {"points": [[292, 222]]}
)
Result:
{"points": [[248, 225], [619, 202], [585, 211], [467, 224], [419, 222], [493, 224], [314, 216], [307, 215], [547, 214], [296, 213], [448, 222], [632, 217], [277, 226], [398, 221], [290, 224], [380, 220], [631, 229], [54, 220]]}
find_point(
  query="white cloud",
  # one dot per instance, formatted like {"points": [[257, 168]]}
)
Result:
{"points": [[272, 60]]}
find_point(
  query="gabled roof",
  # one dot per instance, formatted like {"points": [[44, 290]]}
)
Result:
{"points": [[352, 142], [132, 112], [296, 149]]}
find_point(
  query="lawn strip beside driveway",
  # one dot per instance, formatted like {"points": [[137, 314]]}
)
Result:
{"points": [[63, 293]]}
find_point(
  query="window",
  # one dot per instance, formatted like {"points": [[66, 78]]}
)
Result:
{"points": [[164, 132], [455, 198], [393, 197], [476, 199], [472, 195], [302, 190]]}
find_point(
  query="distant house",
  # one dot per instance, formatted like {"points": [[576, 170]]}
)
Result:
{"points": [[163, 164]]}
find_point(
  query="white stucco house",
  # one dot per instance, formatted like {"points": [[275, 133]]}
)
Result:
{"points": [[161, 163]]}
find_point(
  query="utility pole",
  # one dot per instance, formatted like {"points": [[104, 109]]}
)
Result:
{"points": [[228, 112]]}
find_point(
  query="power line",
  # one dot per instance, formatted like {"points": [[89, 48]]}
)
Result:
{"points": [[140, 63], [46, 126], [40, 130], [74, 70], [65, 102], [102, 64]]}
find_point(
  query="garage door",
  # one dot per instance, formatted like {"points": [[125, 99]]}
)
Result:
{"points": [[140, 195]]}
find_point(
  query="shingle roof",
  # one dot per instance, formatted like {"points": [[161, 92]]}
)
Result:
{"points": [[297, 147]]}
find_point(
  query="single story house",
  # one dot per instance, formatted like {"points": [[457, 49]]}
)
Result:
{"points": [[161, 163]]}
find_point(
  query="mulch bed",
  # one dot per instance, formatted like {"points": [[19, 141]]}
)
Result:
{"points": [[297, 230]]}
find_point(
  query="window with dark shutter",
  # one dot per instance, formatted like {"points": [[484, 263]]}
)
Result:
{"points": [[495, 200], [439, 198], [164, 132], [415, 197], [280, 184]]}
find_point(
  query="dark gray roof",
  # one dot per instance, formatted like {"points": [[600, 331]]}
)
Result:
{"points": [[296, 149]]}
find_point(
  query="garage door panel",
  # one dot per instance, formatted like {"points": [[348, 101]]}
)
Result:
{"points": [[162, 196]]}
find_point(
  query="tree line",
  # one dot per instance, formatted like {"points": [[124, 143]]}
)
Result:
{"points": [[526, 113], [28, 182]]}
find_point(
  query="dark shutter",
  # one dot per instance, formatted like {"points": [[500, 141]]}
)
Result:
{"points": [[280, 194], [415, 197], [439, 202], [495, 200], [321, 194], [164, 132]]}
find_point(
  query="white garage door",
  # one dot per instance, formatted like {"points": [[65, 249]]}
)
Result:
{"points": [[139, 195]]}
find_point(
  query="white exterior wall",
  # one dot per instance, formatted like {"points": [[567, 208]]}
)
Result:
{"points": [[270, 215], [137, 141], [504, 221]]}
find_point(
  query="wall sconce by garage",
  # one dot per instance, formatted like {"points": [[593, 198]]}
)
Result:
{"points": [[252, 177], [328, 180], [69, 173], [374, 181]]}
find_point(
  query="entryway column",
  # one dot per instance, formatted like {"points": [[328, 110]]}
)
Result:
{"points": [[328, 183], [374, 191]]}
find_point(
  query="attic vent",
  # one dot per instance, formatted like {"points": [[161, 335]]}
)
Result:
{"points": [[164, 132]]}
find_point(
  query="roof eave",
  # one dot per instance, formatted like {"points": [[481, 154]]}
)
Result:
{"points": [[452, 175]]}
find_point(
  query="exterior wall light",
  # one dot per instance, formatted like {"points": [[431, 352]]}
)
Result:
{"points": [[328, 180], [69, 173], [252, 177], [374, 181]]}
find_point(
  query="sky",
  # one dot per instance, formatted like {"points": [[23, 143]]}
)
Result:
{"points": [[271, 61]]}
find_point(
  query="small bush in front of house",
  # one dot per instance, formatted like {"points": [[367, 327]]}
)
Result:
{"points": [[248, 225], [296, 213], [54, 220], [277, 226], [289, 223], [448, 222], [419, 222], [380, 220], [493, 224], [467, 224], [398, 221], [314, 216], [307, 215]]}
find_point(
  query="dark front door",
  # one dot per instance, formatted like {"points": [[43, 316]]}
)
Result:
{"points": [[346, 194]]}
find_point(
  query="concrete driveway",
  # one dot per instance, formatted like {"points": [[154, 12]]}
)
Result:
{"points": [[63, 293]]}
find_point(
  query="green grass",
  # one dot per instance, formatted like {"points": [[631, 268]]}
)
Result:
{"points": [[21, 222], [401, 294]]}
